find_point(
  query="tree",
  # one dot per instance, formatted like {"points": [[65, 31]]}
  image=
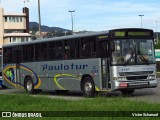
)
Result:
{"points": [[34, 29], [157, 45]]}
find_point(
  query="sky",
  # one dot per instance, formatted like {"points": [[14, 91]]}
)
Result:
{"points": [[91, 15]]}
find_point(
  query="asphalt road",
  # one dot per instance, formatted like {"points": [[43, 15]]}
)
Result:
{"points": [[147, 94]]}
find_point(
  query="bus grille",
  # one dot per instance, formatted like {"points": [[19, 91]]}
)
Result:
{"points": [[138, 73], [138, 84], [136, 77]]}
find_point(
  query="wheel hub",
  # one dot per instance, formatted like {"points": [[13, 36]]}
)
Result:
{"points": [[29, 85], [88, 87]]}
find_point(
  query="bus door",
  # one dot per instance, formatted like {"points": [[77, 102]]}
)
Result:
{"points": [[103, 52], [17, 60]]}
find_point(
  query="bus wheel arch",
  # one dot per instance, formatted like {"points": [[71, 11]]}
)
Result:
{"points": [[29, 84], [87, 86]]}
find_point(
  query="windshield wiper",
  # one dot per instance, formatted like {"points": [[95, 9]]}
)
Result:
{"points": [[131, 57], [144, 59]]}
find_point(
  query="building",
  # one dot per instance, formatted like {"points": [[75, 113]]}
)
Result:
{"points": [[14, 27]]}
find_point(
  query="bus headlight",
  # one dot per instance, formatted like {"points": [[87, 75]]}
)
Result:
{"points": [[151, 77]]}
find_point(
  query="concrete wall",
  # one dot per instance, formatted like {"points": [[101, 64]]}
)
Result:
{"points": [[1, 27], [24, 25]]}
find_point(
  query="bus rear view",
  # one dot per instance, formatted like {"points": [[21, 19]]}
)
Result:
{"points": [[133, 60]]}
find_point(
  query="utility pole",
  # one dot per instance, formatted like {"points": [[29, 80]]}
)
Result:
{"points": [[141, 19], [71, 11], [39, 16]]}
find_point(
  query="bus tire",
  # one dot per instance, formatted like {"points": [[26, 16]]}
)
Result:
{"points": [[127, 92], [88, 87], [29, 85]]}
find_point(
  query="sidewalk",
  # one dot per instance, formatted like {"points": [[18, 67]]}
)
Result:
{"points": [[8, 91]]}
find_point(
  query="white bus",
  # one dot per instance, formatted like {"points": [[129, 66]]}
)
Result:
{"points": [[89, 62]]}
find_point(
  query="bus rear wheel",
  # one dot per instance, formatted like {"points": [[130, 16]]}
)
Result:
{"points": [[29, 86], [88, 87]]}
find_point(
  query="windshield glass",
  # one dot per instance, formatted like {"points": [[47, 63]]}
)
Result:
{"points": [[133, 51]]}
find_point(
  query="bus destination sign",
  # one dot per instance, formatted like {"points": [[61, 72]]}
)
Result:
{"points": [[132, 34], [119, 34], [139, 33]]}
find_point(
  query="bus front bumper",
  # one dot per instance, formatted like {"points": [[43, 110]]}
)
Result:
{"points": [[135, 84]]}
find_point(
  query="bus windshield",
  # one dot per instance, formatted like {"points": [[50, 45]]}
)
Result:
{"points": [[133, 51]]}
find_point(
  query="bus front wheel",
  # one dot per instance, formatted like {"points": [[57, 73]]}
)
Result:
{"points": [[29, 85], [88, 87]]}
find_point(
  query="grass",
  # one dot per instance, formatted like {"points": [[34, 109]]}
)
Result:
{"points": [[25, 102]]}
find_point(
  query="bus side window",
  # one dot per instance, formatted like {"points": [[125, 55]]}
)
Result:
{"points": [[28, 53], [81, 49], [7, 55], [52, 50], [17, 56], [55, 50], [59, 50], [73, 51], [67, 49], [41, 51], [87, 48]]}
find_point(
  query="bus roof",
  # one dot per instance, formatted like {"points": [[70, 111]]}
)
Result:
{"points": [[88, 34]]}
